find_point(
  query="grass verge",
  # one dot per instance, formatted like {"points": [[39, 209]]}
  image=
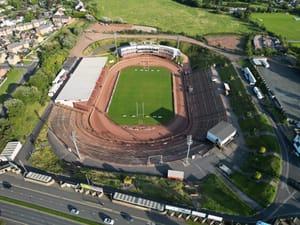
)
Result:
{"points": [[217, 196], [270, 142], [261, 192], [258, 162]]}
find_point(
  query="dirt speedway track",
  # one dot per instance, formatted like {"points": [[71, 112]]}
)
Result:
{"points": [[101, 139]]}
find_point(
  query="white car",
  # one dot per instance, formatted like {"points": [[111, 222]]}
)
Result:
{"points": [[108, 220], [74, 211]]}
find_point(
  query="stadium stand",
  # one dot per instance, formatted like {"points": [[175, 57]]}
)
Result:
{"points": [[159, 50]]}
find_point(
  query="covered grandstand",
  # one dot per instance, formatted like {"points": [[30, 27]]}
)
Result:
{"points": [[82, 82], [149, 48]]}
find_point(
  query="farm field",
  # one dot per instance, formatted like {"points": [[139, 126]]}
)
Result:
{"points": [[279, 23], [168, 16], [142, 97]]}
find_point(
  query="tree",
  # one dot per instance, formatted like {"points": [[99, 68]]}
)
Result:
{"points": [[14, 107], [27, 94], [5, 127], [247, 14], [39, 80]]}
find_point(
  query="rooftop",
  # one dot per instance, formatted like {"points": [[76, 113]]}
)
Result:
{"points": [[81, 83], [222, 130]]}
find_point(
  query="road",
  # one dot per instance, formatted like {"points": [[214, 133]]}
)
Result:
{"points": [[20, 215], [91, 208]]}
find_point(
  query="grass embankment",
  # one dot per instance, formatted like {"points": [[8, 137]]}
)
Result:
{"points": [[48, 211], [143, 12], [43, 157], [218, 197], [143, 96], [155, 187]]}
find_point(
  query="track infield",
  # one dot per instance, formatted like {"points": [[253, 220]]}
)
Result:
{"points": [[143, 96]]}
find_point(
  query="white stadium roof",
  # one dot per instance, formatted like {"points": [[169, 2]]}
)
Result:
{"points": [[82, 82]]}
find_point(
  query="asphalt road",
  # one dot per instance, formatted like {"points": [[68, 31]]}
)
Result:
{"points": [[19, 215], [90, 208]]}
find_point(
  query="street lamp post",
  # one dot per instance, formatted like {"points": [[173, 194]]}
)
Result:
{"points": [[74, 139], [189, 142]]}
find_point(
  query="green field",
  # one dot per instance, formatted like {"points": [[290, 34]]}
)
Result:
{"points": [[168, 16], [279, 23], [142, 97]]}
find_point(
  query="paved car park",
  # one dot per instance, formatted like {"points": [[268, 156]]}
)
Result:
{"points": [[284, 82]]}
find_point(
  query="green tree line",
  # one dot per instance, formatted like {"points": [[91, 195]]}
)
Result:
{"points": [[24, 103]]}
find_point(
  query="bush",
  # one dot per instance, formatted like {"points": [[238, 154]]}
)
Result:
{"points": [[257, 175], [262, 150]]}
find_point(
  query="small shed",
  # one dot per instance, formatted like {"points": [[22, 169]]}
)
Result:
{"points": [[221, 133], [175, 174]]}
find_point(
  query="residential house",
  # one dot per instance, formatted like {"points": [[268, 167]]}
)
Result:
{"points": [[9, 7], [3, 56], [38, 22], [60, 12], [44, 29], [3, 73], [4, 41], [2, 17], [14, 47], [13, 59], [17, 46], [60, 20], [24, 26]]}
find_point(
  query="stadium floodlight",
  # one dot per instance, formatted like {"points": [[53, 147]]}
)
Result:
{"points": [[21, 163], [189, 142], [116, 48], [73, 137]]}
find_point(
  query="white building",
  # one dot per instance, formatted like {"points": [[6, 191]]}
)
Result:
{"points": [[81, 83], [221, 133], [10, 151]]}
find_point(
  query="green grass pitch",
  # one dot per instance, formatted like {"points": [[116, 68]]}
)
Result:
{"points": [[136, 86]]}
